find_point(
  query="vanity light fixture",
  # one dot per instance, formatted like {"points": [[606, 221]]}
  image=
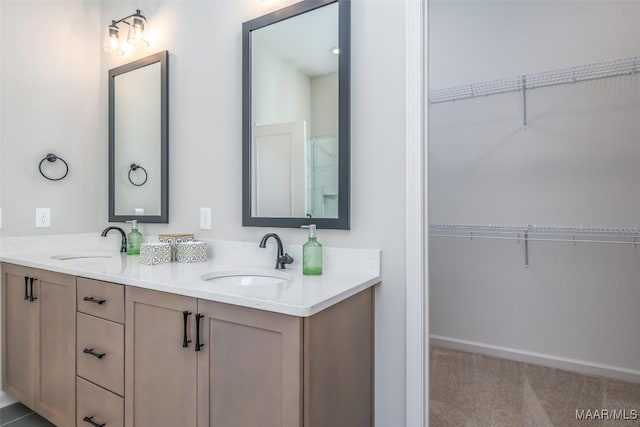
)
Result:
{"points": [[136, 35]]}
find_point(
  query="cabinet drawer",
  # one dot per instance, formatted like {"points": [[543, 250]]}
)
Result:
{"points": [[101, 299], [98, 405], [100, 352]]}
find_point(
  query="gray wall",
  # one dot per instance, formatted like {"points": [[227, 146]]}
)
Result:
{"points": [[204, 41], [575, 164]]}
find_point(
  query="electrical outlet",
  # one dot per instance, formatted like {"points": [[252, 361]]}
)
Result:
{"points": [[205, 218], [43, 217]]}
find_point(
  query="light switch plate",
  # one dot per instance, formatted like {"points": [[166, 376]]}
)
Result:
{"points": [[43, 217], [205, 218]]}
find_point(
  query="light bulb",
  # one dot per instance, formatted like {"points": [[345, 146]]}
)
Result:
{"points": [[136, 30], [112, 40]]}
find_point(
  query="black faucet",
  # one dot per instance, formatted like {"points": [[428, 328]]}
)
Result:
{"points": [[123, 246], [281, 257]]}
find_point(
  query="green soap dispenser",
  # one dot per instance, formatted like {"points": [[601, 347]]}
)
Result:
{"points": [[134, 239], [311, 253]]}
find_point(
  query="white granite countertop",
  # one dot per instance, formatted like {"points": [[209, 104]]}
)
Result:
{"points": [[346, 272]]}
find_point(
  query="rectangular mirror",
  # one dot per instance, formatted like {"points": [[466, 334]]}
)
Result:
{"points": [[296, 116], [139, 141]]}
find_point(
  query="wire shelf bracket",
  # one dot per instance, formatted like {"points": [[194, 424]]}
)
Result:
{"points": [[571, 75]]}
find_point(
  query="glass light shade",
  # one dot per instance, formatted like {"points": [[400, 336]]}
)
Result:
{"points": [[112, 40], [136, 35]]}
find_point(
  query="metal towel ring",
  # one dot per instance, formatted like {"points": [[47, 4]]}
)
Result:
{"points": [[134, 167], [52, 158]]}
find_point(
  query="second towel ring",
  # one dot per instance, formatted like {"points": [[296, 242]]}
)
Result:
{"points": [[134, 167], [52, 158]]}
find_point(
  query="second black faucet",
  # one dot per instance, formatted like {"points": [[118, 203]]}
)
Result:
{"points": [[281, 257]]}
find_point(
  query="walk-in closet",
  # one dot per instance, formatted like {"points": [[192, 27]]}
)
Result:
{"points": [[534, 212]]}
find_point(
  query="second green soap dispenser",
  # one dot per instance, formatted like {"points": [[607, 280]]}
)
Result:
{"points": [[134, 239], [311, 253]]}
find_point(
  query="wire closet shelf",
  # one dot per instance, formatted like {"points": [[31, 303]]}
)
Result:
{"points": [[614, 68], [611, 235]]}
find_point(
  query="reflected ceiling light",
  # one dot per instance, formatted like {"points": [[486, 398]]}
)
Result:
{"points": [[136, 36], [335, 50]]}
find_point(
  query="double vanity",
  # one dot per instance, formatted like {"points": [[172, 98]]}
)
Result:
{"points": [[93, 338]]}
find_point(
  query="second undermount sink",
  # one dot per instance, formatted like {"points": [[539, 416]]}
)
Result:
{"points": [[83, 255], [247, 277]]}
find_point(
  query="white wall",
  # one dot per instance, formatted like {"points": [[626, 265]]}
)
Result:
{"points": [[575, 164], [205, 72], [324, 116], [50, 89], [280, 92]]}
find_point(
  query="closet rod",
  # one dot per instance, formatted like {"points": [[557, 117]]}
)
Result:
{"points": [[614, 68]]}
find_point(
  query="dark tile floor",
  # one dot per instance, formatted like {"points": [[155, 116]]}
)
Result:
{"points": [[18, 415]]}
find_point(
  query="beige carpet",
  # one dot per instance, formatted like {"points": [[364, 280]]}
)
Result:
{"points": [[472, 390]]}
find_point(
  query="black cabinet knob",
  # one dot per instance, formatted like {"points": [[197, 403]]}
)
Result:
{"points": [[93, 353], [93, 423], [185, 337], [199, 345], [95, 301], [31, 297]]}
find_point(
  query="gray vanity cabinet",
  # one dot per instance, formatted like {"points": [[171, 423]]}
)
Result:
{"points": [[247, 371], [161, 376], [100, 353], [38, 341], [253, 367], [250, 369]]}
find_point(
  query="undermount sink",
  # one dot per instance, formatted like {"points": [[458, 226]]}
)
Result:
{"points": [[82, 255], [247, 277]]}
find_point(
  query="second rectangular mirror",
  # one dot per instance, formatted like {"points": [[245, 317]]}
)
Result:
{"points": [[296, 116]]}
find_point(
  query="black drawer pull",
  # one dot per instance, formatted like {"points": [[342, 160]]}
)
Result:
{"points": [[93, 353], [26, 291], [93, 423], [198, 344], [185, 340], [31, 297], [96, 301]]}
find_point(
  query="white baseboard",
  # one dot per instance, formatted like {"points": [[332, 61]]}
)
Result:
{"points": [[567, 364], [5, 399]]}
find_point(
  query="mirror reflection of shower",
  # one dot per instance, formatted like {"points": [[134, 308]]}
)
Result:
{"points": [[322, 176]]}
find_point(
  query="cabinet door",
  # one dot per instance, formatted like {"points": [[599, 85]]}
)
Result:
{"points": [[160, 374], [55, 397], [18, 335], [39, 365], [250, 368]]}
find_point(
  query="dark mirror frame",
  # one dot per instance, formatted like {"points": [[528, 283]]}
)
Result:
{"points": [[344, 107], [163, 59]]}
